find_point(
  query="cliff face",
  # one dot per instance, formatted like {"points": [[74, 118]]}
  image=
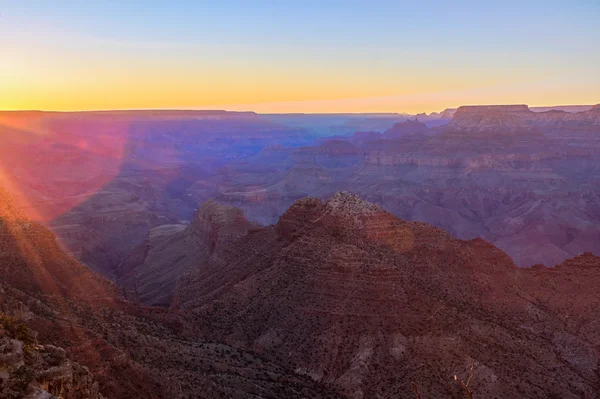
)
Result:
{"points": [[153, 268], [491, 118], [517, 117], [347, 293]]}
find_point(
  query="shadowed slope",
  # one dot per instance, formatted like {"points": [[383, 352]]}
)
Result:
{"points": [[153, 268], [130, 350], [32, 261]]}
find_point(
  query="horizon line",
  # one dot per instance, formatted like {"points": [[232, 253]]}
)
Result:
{"points": [[107, 110]]}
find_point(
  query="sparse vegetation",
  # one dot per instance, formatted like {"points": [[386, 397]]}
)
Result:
{"points": [[16, 329]]}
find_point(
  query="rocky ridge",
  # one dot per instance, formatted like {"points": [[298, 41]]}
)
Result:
{"points": [[362, 296]]}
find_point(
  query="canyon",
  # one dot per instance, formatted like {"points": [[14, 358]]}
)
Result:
{"points": [[524, 179], [299, 200], [339, 298], [222, 254], [65, 331]]}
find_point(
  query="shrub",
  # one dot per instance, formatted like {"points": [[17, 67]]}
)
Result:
{"points": [[16, 329]]}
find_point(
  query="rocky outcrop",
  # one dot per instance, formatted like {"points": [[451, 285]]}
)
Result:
{"points": [[153, 268], [31, 370], [347, 293]]}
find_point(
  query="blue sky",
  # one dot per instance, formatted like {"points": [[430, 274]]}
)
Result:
{"points": [[336, 49]]}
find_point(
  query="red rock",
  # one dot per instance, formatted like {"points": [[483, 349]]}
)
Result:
{"points": [[128, 350], [347, 293]]}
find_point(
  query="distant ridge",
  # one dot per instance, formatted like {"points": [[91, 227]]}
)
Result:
{"points": [[565, 108], [118, 114], [500, 108], [446, 113]]}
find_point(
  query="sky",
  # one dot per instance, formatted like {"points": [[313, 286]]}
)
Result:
{"points": [[297, 55]]}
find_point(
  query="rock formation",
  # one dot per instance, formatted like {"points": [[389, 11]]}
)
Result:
{"points": [[153, 268], [112, 346], [526, 181], [31, 370], [352, 296], [515, 117]]}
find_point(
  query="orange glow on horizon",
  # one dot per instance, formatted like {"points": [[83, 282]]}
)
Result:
{"points": [[136, 78]]}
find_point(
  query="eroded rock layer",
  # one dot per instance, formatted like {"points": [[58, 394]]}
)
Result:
{"points": [[348, 294]]}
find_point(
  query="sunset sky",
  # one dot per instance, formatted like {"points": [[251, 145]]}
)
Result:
{"points": [[297, 56]]}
